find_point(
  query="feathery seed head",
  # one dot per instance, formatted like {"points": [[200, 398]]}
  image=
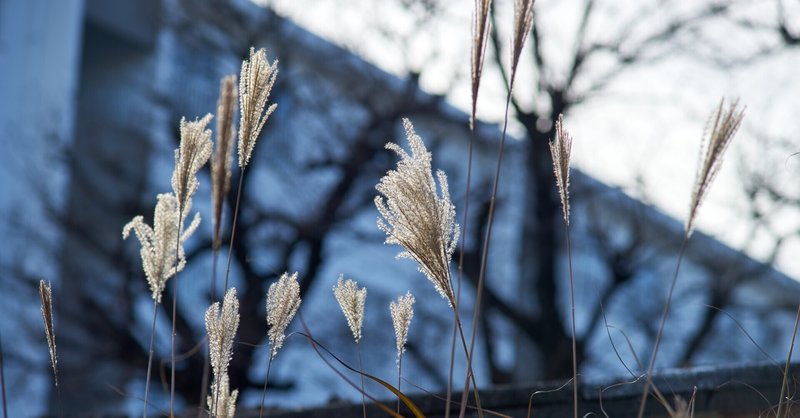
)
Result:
{"points": [[352, 300], [283, 300], [523, 23], [221, 161], [480, 30], [255, 84], [402, 311], [560, 149], [415, 217], [221, 327], [723, 123], [158, 242], [194, 151], [46, 296], [222, 402]]}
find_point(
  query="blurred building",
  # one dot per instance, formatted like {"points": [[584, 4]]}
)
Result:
{"points": [[90, 99]]}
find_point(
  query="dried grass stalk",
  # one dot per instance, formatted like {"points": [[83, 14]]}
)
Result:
{"points": [[255, 83], [480, 37], [352, 300], [560, 149], [723, 123], [283, 300], [46, 296], [415, 217], [221, 160], [402, 312], [159, 259]]}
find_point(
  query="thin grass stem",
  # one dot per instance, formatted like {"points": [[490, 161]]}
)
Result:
{"points": [[3, 380], [574, 335], [361, 370], [150, 357], [207, 362], [485, 251], [233, 227], [264, 392], [470, 374], [400, 377], [460, 276], [664, 314], [786, 368], [174, 316], [449, 396]]}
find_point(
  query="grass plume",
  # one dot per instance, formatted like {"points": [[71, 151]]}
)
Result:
{"points": [[415, 217], [221, 160], [159, 259], [255, 84], [724, 123], [561, 149], [46, 297], [480, 36], [283, 301], [523, 23], [221, 326], [193, 153], [352, 300], [402, 311]]}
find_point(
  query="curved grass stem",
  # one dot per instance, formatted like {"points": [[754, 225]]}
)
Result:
{"points": [[648, 376]]}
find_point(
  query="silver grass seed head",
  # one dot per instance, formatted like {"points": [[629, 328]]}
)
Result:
{"points": [[480, 30], [415, 217], [720, 130], [222, 401], [158, 242], [193, 153], [523, 23], [221, 326], [402, 312], [255, 84], [283, 300], [560, 149], [221, 160], [351, 299], [46, 296]]}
